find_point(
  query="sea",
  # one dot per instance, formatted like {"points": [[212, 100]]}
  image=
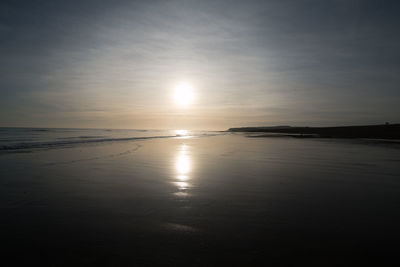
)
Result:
{"points": [[30, 139]]}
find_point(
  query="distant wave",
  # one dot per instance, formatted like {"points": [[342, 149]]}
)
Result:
{"points": [[41, 130], [55, 144], [82, 137], [14, 140]]}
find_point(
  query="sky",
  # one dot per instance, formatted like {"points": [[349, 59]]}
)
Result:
{"points": [[115, 64]]}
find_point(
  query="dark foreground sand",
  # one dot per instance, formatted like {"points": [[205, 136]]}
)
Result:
{"points": [[223, 200]]}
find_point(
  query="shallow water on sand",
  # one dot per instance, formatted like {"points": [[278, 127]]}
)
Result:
{"points": [[219, 200]]}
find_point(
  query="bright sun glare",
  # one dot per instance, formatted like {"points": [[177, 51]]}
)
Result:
{"points": [[184, 94]]}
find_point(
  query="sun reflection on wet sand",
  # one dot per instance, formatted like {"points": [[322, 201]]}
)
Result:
{"points": [[182, 171]]}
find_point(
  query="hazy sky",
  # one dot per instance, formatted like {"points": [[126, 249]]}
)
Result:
{"points": [[114, 64]]}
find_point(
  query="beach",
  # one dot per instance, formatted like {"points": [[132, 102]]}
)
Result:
{"points": [[201, 200]]}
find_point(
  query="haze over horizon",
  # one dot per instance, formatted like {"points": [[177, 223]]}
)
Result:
{"points": [[118, 64]]}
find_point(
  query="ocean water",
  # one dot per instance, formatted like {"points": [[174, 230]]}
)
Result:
{"points": [[154, 198], [27, 139]]}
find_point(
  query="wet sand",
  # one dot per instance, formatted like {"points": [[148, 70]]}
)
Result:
{"points": [[222, 200]]}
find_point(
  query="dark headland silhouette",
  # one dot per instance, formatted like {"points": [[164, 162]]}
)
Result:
{"points": [[383, 131]]}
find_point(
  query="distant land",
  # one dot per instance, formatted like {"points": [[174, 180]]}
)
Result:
{"points": [[382, 131]]}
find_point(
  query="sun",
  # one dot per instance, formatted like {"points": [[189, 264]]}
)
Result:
{"points": [[183, 94]]}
